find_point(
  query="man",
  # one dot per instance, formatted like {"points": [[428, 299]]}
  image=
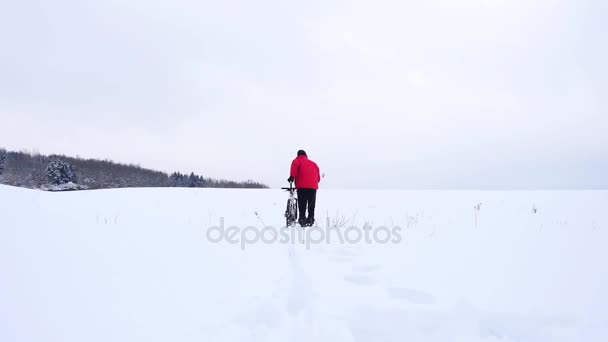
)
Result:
{"points": [[306, 174]]}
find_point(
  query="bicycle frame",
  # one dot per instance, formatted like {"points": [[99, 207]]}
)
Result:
{"points": [[291, 211]]}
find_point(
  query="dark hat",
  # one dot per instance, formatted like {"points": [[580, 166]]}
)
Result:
{"points": [[301, 153]]}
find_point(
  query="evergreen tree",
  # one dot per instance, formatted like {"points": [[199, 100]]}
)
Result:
{"points": [[177, 179], [59, 172], [2, 160], [195, 181]]}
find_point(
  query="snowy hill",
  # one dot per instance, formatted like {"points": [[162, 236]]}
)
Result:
{"points": [[137, 265]]}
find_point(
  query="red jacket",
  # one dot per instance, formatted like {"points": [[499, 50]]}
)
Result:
{"points": [[306, 173]]}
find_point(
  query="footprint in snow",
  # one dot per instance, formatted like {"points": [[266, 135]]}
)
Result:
{"points": [[413, 296], [341, 259], [362, 280], [345, 252], [366, 268]]}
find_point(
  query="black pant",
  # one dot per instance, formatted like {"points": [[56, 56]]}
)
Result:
{"points": [[307, 198]]}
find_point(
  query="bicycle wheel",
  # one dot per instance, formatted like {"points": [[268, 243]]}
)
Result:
{"points": [[291, 212], [294, 211], [288, 213]]}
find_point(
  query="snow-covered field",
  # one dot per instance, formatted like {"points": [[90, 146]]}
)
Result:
{"points": [[136, 265]]}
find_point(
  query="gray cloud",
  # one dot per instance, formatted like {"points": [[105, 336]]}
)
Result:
{"points": [[467, 94]]}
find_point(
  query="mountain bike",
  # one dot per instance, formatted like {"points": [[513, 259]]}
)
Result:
{"points": [[291, 212]]}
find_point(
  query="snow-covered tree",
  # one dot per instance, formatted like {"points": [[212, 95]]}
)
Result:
{"points": [[59, 172], [195, 181], [180, 180], [2, 160], [176, 179]]}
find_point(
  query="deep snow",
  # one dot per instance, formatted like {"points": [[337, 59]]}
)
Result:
{"points": [[135, 265]]}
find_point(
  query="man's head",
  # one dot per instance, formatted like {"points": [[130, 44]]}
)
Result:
{"points": [[301, 153]]}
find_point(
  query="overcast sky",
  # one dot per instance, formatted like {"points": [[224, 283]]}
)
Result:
{"points": [[473, 94]]}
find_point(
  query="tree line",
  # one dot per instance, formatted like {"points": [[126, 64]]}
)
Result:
{"points": [[59, 172]]}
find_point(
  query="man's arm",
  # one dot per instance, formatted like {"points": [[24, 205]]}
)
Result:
{"points": [[294, 169]]}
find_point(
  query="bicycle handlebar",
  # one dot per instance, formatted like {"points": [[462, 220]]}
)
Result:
{"points": [[291, 188]]}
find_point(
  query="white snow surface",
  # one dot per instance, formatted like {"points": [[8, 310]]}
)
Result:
{"points": [[135, 265]]}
